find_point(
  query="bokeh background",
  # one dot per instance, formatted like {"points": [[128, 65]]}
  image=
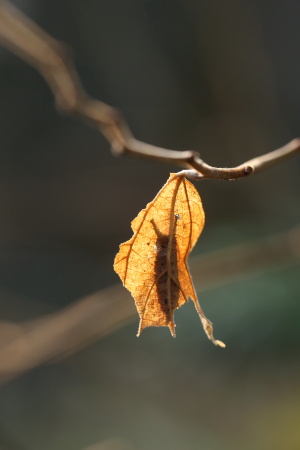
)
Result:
{"points": [[218, 77]]}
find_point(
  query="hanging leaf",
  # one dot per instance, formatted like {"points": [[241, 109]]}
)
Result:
{"points": [[153, 263]]}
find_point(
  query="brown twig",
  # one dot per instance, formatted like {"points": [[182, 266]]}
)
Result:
{"points": [[50, 57]]}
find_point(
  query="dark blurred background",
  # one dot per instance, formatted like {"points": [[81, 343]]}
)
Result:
{"points": [[218, 77]]}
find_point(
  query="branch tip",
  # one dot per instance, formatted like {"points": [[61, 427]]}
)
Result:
{"points": [[296, 143]]}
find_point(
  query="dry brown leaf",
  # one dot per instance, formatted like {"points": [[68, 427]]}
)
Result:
{"points": [[153, 263]]}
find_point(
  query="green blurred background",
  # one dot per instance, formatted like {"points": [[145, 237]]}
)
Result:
{"points": [[218, 77]]}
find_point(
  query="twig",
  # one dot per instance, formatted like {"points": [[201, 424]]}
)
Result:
{"points": [[50, 57], [56, 335]]}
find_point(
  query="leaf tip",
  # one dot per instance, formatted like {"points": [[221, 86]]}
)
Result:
{"points": [[140, 329], [172, 329], [208, 328], [219, 343]]}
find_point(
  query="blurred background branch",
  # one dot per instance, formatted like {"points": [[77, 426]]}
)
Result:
{"points": [[51, 58], [23, 346]]}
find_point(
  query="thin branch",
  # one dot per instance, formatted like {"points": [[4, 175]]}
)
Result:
{"points": [[23, 37], [57, 335]]}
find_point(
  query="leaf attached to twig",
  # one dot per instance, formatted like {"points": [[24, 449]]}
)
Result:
{"points": [[153, 263]]}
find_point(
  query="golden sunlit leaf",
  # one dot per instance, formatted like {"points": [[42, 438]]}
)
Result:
{"points": [[153, 263]]}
